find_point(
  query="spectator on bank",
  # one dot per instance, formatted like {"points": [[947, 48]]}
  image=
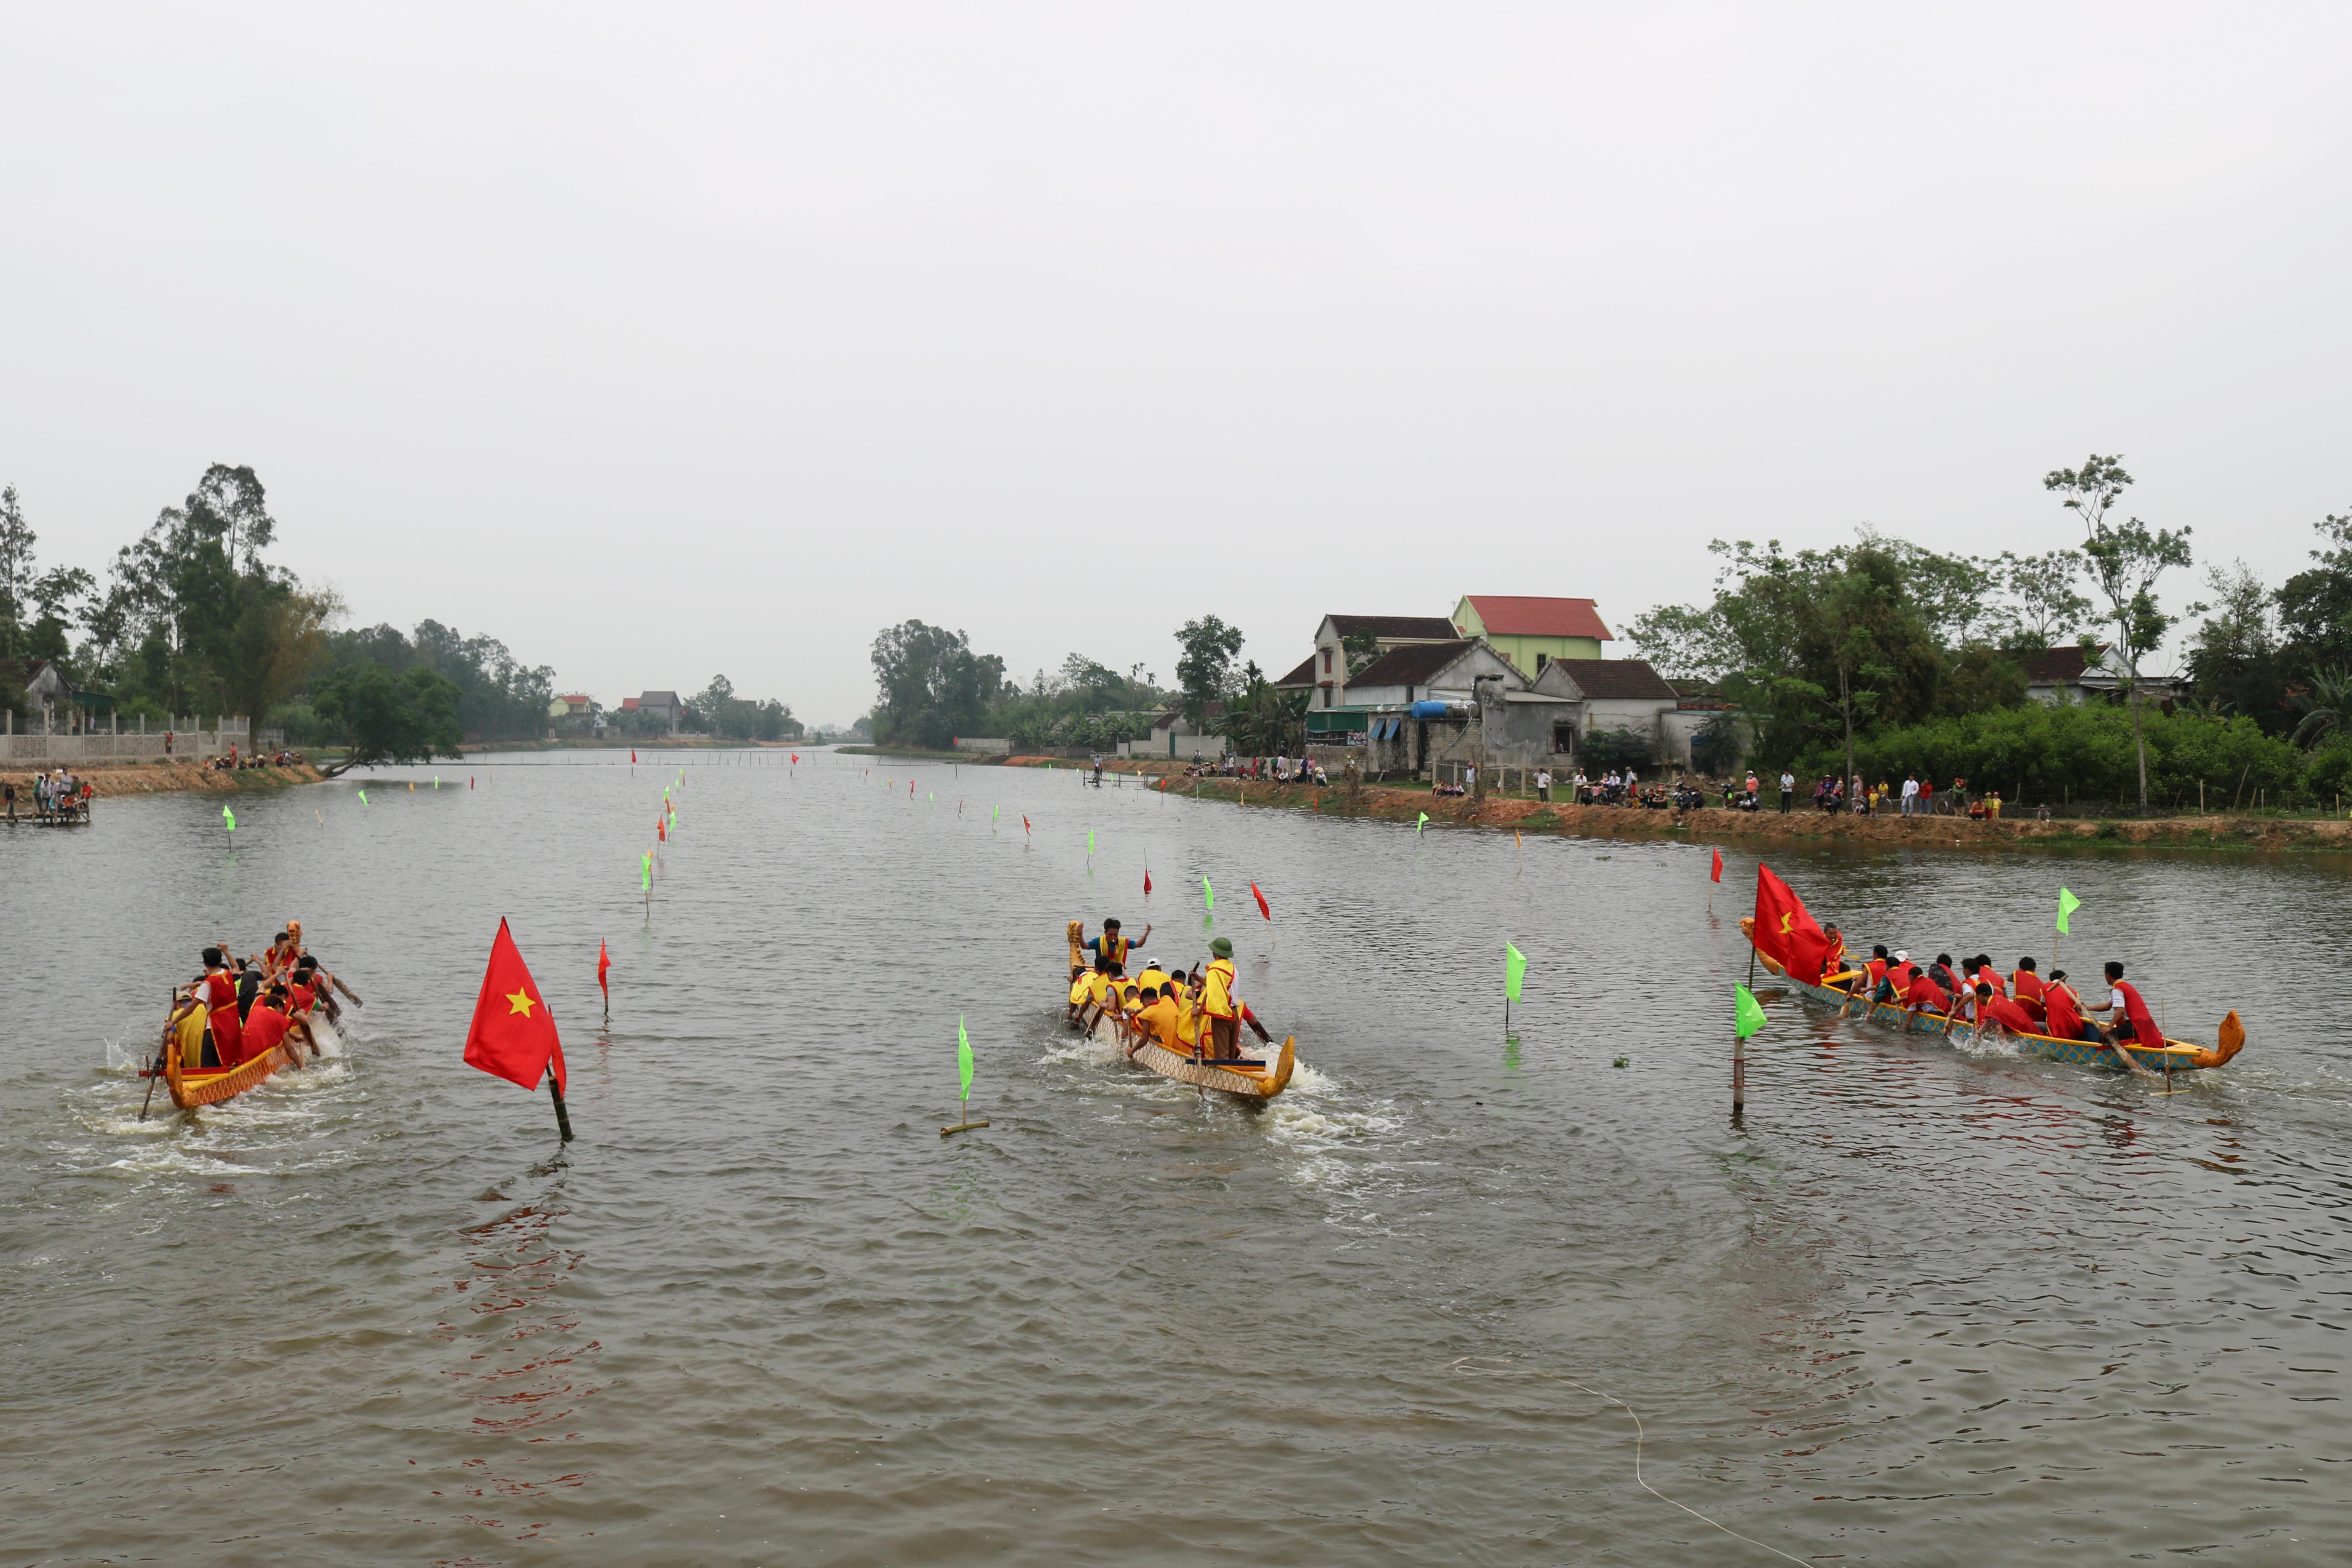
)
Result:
{"points": [[1910, 806]]}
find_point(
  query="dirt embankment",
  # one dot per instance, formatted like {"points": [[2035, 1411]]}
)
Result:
{"points": [[163, 780], [1712, 824]]}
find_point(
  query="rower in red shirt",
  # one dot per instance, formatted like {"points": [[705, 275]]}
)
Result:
{"points": [[2132, 1020], [2064, 1011], [1994, 1008], [1925, 995], [1874, 971], [266, 1025], [219, 989], [2027, 986]]}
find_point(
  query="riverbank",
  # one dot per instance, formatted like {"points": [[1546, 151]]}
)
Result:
{"points": [[1714, 825], [168, 778]]}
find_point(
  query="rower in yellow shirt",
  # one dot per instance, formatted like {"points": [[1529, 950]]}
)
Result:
{"points": [[1220, 1009]]}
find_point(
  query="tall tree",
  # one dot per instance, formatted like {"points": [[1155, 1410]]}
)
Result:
{"points": [[1205, 668], [2125, 559], [933, 687], [2043, 607], [2234, 658], [2315, 605]]}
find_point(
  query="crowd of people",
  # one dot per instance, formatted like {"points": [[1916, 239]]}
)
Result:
{"points": [[233, 1013], [232, 760], [1279, 769], [56, 795], [1192, 1012], [2022, 1001]]}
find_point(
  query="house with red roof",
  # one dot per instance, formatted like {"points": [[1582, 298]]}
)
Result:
{"points": [[1532, 632]]}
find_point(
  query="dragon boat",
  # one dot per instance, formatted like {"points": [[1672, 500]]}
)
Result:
{"points": [[1248, 1077], [2173, 1056]]}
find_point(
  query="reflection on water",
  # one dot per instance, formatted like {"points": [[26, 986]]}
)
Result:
{"points": [[1928, 1302]]}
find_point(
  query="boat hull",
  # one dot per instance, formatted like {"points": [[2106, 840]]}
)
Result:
{"points": [[1206, 1075], [210, 1085]]}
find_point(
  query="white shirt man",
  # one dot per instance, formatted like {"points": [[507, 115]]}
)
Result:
{"points": [[1910, 796], [1788, 791], [1543, 784]]}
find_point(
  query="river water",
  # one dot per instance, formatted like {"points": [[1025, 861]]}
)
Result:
{"points": [[1927, 1306]]}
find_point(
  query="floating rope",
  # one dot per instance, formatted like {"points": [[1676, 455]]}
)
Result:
{"points": [[1463, 1366]]}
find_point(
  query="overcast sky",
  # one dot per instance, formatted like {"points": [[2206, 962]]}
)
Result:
{"points": [[661, 341]]}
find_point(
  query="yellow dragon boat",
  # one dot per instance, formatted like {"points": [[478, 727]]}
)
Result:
{"points": [[2173, 1056], [1248, 1077]]}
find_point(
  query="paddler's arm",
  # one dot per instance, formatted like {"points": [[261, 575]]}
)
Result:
{"points": [[345, 989]]}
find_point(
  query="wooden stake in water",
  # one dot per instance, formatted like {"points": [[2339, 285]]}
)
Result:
{"points": [[562, 1117]]}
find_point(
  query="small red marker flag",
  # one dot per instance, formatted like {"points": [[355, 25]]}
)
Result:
{"points": [[1146, 881], [1717, 874], [633, 756], [603, 962], [1024, 826], [1262, 908], [661, 828], [513, 1032], [796, 758]]}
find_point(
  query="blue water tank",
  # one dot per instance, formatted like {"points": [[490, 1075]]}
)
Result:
{"points": [[1434, 710]]}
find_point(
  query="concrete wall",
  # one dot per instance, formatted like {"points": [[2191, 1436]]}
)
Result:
{"points": [[992, 746], [80, 751]]}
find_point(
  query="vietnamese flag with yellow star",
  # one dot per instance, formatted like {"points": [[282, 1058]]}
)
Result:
{"points": [[513, 1034]]}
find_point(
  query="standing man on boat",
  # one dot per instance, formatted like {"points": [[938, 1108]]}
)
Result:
{"points": [[1219, 1005], [219, 988], [1111, 947]]}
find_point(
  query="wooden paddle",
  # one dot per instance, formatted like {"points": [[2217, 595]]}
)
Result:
{"points": [[171, 1038]]}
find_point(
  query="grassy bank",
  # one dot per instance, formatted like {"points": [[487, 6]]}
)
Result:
{"points": [[1712, 824]]}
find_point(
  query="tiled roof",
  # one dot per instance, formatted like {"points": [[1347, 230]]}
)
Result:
{"points": [[1415, 628], [1304, 676], [1509, 616], [1411, 665], [2054, 665], [1623, 679]]}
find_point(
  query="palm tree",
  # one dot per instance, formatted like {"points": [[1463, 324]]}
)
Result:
{"points": [[2327, 705]]}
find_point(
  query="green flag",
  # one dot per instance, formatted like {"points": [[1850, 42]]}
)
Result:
{"points": [[1514, 969], [1090, 841], [1208, 894], [963, 1059], [646, 873], [993, 812], [2067, 904], [1422, 823], [1747, 1013], [437, 780], [362, 798], [230, 817]]}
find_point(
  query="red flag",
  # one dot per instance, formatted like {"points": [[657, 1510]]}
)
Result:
{"points": [[513, 1032], [603, 962], [470, 780], [1716, 875], [1785, 931], [1146, 881], [1024, 826], [796, 758], [661, 828], [633, 756], [1261, 901]]}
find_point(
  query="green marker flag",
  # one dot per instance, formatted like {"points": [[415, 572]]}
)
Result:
{"points": [[993, 812], [1514, 969], [1090, 841], [1747, 1013], [646, 873], [437, 780], [230, 817], [2067, 904], [362, 798], [1208, 894], [964, 1059], [1422, 823]]}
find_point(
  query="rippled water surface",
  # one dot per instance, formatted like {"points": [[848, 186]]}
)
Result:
{"points": [[1927, 1306]]}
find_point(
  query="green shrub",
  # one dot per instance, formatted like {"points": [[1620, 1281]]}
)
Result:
{"points": [[2083, 751]]}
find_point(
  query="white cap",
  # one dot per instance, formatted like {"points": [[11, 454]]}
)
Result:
{"points": [[1901, 956]]}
